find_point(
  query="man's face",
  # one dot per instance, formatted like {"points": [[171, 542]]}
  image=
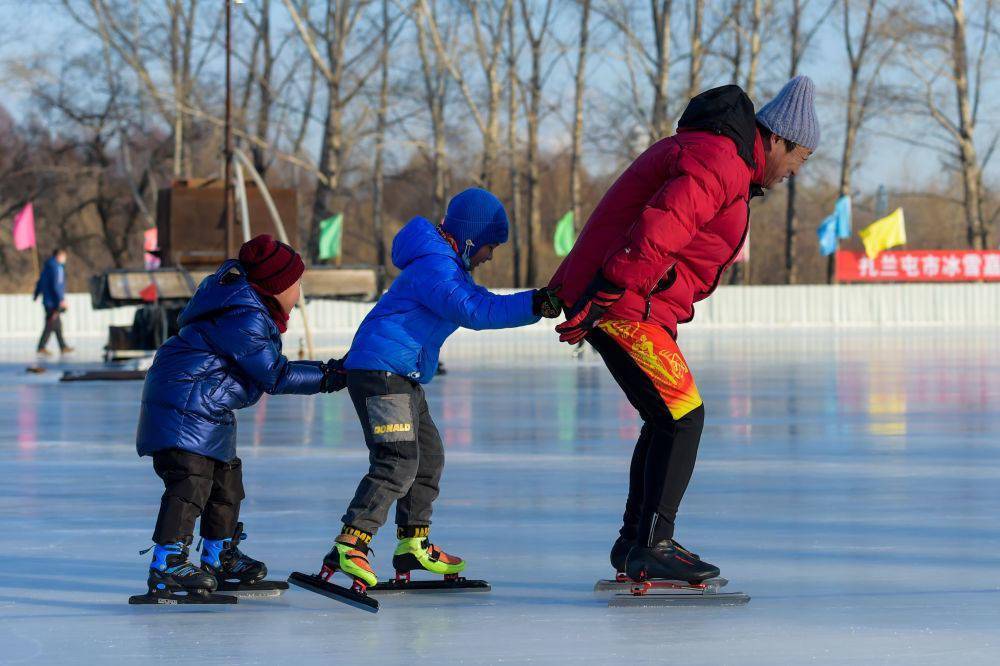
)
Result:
{"points": [[779, 162], [484, 254], [61, 258]]}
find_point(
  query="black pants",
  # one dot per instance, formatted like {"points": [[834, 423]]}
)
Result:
{"points": [[405, 451], [664, 455], [196, 486], [53, 324]]}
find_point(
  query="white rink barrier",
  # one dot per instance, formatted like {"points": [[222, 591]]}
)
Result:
{"points": [[730, 307]]}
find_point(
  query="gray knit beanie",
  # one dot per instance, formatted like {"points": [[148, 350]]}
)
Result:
{"points": [[792, 113]]}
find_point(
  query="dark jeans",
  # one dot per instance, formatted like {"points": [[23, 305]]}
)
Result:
{"points": [[196, 486], [53, 324], [664, 455], [405, 451]]}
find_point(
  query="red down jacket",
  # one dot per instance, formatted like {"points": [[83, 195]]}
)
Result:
{"points": [[667, 229]]}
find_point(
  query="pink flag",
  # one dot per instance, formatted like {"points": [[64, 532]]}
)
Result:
{"points": [[24, 228], [150, 243]]}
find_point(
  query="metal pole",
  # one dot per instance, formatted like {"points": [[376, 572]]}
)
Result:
{"points": [[282, 236], [227, 188]]}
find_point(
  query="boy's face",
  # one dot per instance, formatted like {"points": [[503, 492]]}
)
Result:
{"points": [[484, 254], [289, 297]]}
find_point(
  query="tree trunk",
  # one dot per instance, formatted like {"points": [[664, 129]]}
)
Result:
{"points": [[660, 120], [515, 173], [697, 48], [975, 231], [378, 184], [581, 64], [533, 204], [756, 26], [264, 89], [791, 218]]}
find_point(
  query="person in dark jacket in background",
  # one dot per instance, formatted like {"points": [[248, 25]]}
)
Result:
{"points": [[394, 352], [51, 286], [226, 355], [658, 241]]}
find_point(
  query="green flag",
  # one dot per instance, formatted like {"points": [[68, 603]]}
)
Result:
{"points": [[565, 236], [331, 233]]}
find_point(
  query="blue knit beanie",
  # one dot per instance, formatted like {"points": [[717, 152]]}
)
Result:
{"points": [[475, 218], [792, 113]]}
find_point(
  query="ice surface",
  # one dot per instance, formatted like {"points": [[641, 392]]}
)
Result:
{"points": [[848, 482]]}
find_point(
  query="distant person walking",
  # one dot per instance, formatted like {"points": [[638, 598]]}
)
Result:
{"points": [[51, 286]]}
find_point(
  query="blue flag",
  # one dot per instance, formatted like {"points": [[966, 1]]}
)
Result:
{"points": [[827, 233], [842, 211], [835, 226]]}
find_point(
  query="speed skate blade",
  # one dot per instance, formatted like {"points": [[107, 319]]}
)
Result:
{"points": [[333, 591], [614, 585], [265, 589], [679, 597], [396, 586], [167, 599]]}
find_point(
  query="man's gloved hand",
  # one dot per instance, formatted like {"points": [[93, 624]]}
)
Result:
{"points": [[545, 303], [334, 376], [588, 309]]}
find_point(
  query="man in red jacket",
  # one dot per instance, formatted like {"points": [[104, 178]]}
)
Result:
{"points": [[658, 242]]}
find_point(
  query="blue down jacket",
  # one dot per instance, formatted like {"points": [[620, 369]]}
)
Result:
{"points": [[51, 285], [226, 355], [430, 299]]}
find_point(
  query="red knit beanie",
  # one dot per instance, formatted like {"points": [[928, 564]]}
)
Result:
{"points": [[271, 265]]}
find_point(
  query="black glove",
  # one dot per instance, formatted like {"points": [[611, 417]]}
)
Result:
{"points": [[588, 309], [334, 376], [545, 303]]}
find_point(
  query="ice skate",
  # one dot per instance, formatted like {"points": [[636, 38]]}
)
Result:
{"points": [[235, 571], [349, 555], [417, 553], [174, 580], [668, 574], [670, 561], [622, 583]]}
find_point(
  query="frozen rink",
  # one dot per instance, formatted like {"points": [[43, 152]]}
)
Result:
{"points": [[848, 481]]}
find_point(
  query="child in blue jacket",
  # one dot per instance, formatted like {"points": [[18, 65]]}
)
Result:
{"points": [[394, 353], [226, 355]]}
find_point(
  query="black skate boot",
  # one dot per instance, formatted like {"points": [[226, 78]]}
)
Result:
{"points": [[670, 561], [234, 570], [174, 580], [619, 554]]}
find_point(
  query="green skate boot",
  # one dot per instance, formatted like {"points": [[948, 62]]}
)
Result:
{"points": [[415, 552], [350, 555]]}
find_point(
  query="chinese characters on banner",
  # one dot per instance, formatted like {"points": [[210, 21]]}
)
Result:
{"points": [[920, 266]]}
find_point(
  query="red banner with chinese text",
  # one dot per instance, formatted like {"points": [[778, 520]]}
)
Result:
{"points": [[920, 266]]}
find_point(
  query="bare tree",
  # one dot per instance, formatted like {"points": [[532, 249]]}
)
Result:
{"points": [[378, 176], [578, 90], [345, 71], [535, 36], [653, 59], [513, 85], [868, 47], [801, 33], [486, 20], [435, 64]]}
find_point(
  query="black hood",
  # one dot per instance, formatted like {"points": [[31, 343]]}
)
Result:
{"points": [[725, 110]]}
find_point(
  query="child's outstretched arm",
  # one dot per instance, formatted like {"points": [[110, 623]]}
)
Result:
{"points": [[472, 306], [256, 354]]}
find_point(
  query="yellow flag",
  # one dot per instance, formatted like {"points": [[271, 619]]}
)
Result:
{"points": [[882, 234]]}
